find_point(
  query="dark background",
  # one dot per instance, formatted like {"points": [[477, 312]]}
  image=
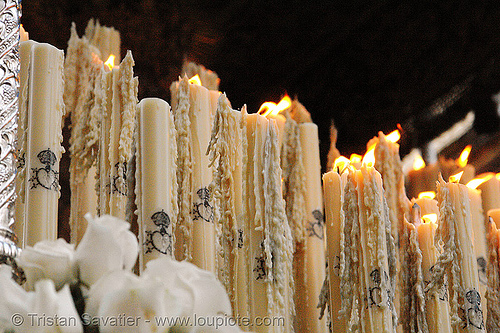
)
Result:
{"points": [[366, 65]]}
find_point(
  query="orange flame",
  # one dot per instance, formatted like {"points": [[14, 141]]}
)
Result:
{"points": [[369, 158], [464, 156], [427, 195], [355, 158], [340, 164], [271, 108], [110, 62], [429, 218], [456, 177], [474, 183], [195, 80], [497, 176], [393, 137], [418, 163]]}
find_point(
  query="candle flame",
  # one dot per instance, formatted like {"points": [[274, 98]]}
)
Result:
{"points": [[195, 80], [271, 108], [474, 183], [355, 158], [427, 195], [418, 163], [369, 158], [340, 164], [497, 176], [464, 156], [429, 218], [110, 62], [393, 137], [456, 177]]}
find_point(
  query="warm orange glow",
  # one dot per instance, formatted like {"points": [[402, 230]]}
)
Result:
{"points": [[464, 156], [497, 176], [456, 177], [429, 218], [474, 183], [341, 163], [355, 158], [271, 108], [394, 136], [418, 163], [369, 158], [195, 80], [427, 195], [110, 62]]}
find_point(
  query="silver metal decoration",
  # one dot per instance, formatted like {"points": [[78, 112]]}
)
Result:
{"points": [[9, 92]]}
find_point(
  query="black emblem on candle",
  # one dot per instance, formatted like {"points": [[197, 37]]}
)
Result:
{"points": [[260, 264], [374, 291], [203, 210], [316, 228], [21, 161], [160, 239], [336, 266], [45, 177], [119, 181], [474, 313], [240, 238], [481, 267]]}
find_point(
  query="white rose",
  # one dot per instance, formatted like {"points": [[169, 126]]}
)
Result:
{"points": [[48, 260], [42, 310], [199, 291], [53, 310], [107, 245], [124, 302]]}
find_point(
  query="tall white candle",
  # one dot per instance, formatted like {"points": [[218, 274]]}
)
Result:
{"points": [[436, 301], [44, 109], [194, 230], [226, 157], [333, 189], [118, 98], [156, 188], [458, 260], [493, 273], [269, 252], [81, 68], [368, 269]]}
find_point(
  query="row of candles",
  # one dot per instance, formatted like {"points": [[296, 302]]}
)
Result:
{"points": [[241, 195]]}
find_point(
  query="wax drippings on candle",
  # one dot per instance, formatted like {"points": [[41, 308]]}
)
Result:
{"points": [[493, 277], [106, 39], [278, 242], [225, 157], [294, 186], [184, 225]]}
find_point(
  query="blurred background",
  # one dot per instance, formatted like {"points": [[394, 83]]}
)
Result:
{"points": [[367, 66]]}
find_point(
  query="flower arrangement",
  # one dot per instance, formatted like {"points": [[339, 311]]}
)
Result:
{"points": [[92, 288]]}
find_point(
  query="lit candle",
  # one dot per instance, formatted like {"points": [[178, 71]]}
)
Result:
{"points": [[369, 267], [118, 103], [388, 163], [469, 172], [458, 260], [208, 78], [41, 113], [490, 192], [436, 300], [194, 229], [270, 244], [422, 178], [427, 203], [493, 274], [156, 188], [479, 232], [24, 36], [412, 306], [226, 156], [272, 111], [333, 184]]}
